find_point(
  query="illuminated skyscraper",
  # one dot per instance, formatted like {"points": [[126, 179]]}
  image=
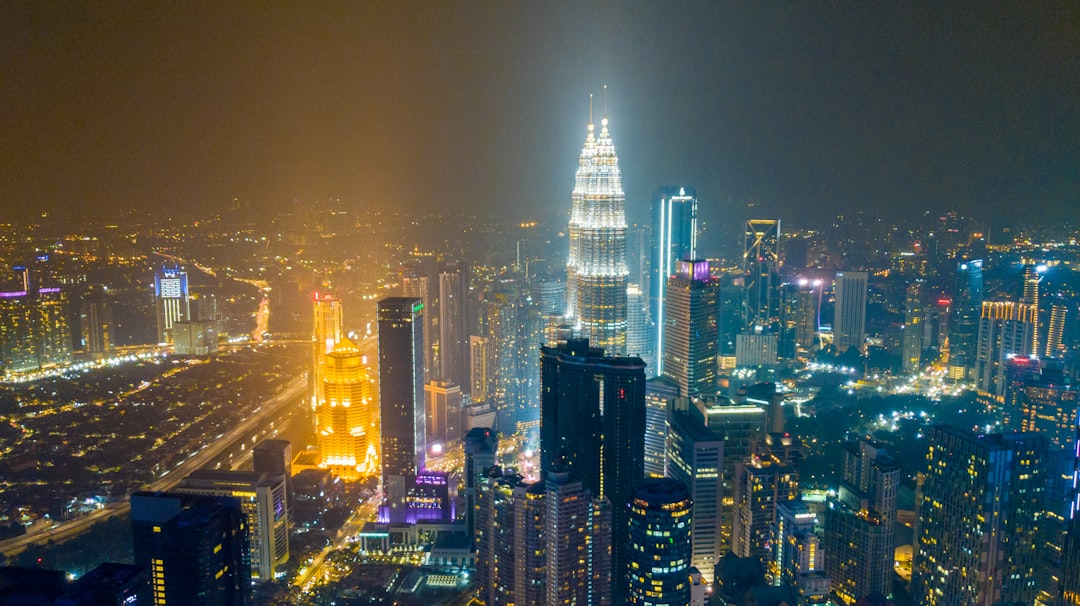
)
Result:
{"points": [[849, 320], [481, 368], [859, 536], [327, 332], [401, 394], [348, 438], [1031, 297], [443, 408], [964, 320], [171, 300], [1005, 329], [593, 424], [660, 395], [638, 342], [1056, 330], [767, 477], [453, 328], [658, 569], [596, 267], [691, 328], [695, 457], [913, 327], [34, 329], [761, 271], [577, 543], [418, 280], [977, 516], [196, 548], [675, 221]]}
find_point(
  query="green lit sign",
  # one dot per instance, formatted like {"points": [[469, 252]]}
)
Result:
{"points": [[417, 307]]}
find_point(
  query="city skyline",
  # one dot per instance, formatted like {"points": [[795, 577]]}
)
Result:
{"points": [[798, 111]]}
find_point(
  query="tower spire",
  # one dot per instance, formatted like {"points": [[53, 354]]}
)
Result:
{"points": [[605, 100], [590, 112]]}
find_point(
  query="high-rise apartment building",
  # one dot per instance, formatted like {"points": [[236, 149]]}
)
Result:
{"points": [[658, 569], [913, 327], [481, 368], [593, 424], [401, 393], [859, 537], [695, 457], [34, 329], [691, 328], [264, 501], [514, 328], [1031, 298], [964, 319], [577, 544], [348, 414], [453, 322], [171, 299], [443, 407], [797, 559], [419, 280], [596, 267], [675, 225], [96, 322], [660, 395], [976, 516], [761, 272], [1005, 329], [849, 319], [481, 446], [1056, 330], [768, 476], [328, 330], [195, 547]]}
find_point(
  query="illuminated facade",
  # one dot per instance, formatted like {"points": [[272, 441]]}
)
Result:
{"points": [[913, 327], [1005, 329], [171, 299], [263, 500], [348, 436], [596, 268], [403, 423], [34, 330], [691, 328], [660, 395], [796, 549], [578, 553], [195, 547], [675, 222], [327, 333], [964, 320], [1055, 331], [976, 519], [849, 315], [859, 538], [761, 272], [593, 423], [767, 477], [696, 458], [658, 570]]}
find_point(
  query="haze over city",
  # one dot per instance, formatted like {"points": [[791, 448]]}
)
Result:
{"points": [[804, 110]]}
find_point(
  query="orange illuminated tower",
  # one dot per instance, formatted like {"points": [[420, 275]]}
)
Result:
{"points": [[348, 436], [326, 333]]}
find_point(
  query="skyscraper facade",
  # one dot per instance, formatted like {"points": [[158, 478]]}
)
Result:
{"points": [[596, 267], [171, 300], [660, 396], [849, 321], [964, 319], [348, 415], [453, 325], [659, 523], [327, 332], [675, 225], [976, 517], [691, 328], [761, 272], [638, 334], [1005, 329], [401, 392], [767, 477], [913, 327], [859, 537], [695, 457], [195, 547], [593, 424]]}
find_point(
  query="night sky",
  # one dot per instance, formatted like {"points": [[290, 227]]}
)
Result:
{"points": [[805, 109]]}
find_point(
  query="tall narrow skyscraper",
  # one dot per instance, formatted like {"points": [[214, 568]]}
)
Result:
{"points": [[593, 424], [913, 327], [401, 392], [675, 221], [453, 326], [171, 300], [327, 331], [849, 321], [964, 320], [596, 268], [691, 328], [761, 272]]}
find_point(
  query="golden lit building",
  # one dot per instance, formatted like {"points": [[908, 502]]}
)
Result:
{"points": [[347, 417], [328, 332]]}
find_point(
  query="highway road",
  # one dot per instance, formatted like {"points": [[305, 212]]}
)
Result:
{"points": [[58, 533]]}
